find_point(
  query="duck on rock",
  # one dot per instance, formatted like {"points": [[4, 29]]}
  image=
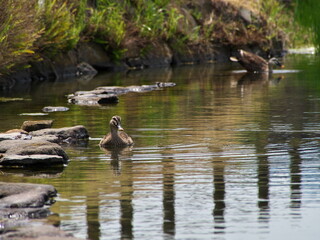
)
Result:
{"points": [[254, 63], [116, 137]]}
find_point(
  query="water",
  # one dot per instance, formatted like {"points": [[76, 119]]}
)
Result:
{"points": [[219, 156]]}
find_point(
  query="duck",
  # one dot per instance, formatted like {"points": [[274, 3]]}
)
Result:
{"points": [[254, 63], [116, 137]]}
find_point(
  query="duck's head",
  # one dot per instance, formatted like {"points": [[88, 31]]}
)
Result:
{"points": [[115, 123], [275, 62]]}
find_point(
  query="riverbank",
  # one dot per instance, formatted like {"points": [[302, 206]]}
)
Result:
{"points": [[123, 35]]}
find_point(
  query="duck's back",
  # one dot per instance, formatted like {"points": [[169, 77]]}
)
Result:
{"points": [[252, 62]]}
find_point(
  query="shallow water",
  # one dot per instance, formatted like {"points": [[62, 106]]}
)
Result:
{"points": [[222, 155]]}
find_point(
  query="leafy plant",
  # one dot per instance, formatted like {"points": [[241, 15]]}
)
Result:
{"points": [[61, 26]]}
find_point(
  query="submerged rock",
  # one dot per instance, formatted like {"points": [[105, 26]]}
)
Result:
{"points": [[36, 125]]}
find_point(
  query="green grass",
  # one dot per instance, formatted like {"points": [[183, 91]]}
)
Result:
{"points": [[18, 32], [307, 14]]}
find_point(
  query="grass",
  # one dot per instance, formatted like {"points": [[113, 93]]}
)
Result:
{"points": [[18, 32], [307, 14], [61, 25], [30, 29]]}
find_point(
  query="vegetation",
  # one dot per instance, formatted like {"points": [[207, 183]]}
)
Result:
{"points": [[307, 14], [31, 29]]}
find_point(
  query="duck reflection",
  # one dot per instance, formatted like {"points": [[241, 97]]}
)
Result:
{"points": [[114, 153], [258, 79], [126, 181]]}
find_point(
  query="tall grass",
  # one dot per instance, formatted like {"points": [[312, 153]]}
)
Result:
{"points": [[107, 24], [19, 29], [307, 14], [61, 25], [157, 19]]}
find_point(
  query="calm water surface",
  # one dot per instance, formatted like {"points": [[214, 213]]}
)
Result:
{"points": [[222, 155]]}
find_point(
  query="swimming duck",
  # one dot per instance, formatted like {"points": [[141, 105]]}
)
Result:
{"points": [[117, 137], [254, 63]]}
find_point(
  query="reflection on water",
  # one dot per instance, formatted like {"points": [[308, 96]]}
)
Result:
{"points": [[222, 155]]}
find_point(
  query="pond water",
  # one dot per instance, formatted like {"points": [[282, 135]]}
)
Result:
{"points": [[222, 155]]}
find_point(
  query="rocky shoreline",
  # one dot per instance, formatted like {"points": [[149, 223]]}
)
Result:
{"points": [[38, 145]]}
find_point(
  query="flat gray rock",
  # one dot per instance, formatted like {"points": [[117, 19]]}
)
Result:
{"points": [[30, 147]]}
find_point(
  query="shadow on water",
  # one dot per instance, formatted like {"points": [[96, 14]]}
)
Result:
{"points": [[222, 154]]}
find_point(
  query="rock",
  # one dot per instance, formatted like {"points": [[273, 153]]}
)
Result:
{"points": [[97, 56], [30, 147], [23, 195], [85, 69], [14, 135], [49, 138], [157, 54], [93, 99], [22, 202], [76, 132], [36, 125], [37, 232], [23, 213], [108, 94], [27, 160], [55, 109], [17, 130]]}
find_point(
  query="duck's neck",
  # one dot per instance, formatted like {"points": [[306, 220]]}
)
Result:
{"points": [[114, 132]]}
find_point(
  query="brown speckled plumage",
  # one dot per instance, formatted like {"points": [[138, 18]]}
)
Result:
{"points": [[254, 63], [117, 137]]}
